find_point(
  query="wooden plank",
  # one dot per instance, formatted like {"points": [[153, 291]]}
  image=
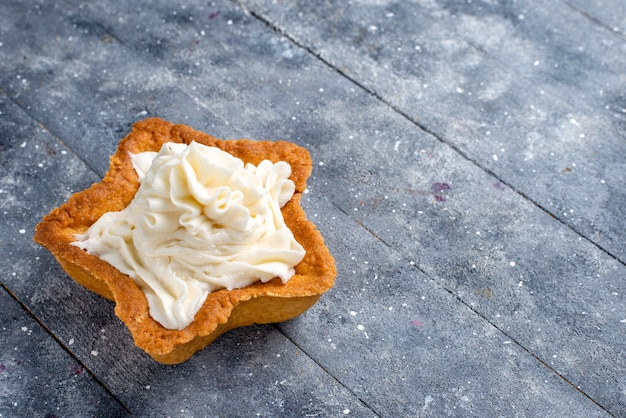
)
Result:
{"points": [[538, 282], [409, 346], [530, 93], [39, 378], [85, 60], [610, 14]]}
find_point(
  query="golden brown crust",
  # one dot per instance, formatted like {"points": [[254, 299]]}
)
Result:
{"points": [[223, 310]]}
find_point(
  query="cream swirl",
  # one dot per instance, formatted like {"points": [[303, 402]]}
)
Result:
{"points": [[200, 221]]}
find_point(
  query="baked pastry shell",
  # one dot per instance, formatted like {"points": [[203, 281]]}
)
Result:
{"points": [[223, 310]]}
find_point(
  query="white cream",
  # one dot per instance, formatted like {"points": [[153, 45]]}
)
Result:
{"points": [[200, 221]]}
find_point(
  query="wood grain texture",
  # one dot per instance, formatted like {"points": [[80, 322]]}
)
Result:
{"points": [[39, 378]]}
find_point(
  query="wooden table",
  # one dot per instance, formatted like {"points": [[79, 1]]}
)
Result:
{"points": [[470, 161]]}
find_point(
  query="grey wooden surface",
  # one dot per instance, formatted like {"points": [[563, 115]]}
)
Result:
{"points": [[470, 161]]}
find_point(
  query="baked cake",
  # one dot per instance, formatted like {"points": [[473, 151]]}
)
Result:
{"points": [[267, 301]]}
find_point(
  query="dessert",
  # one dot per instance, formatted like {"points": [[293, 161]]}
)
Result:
{"points": [[193, 301]]}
